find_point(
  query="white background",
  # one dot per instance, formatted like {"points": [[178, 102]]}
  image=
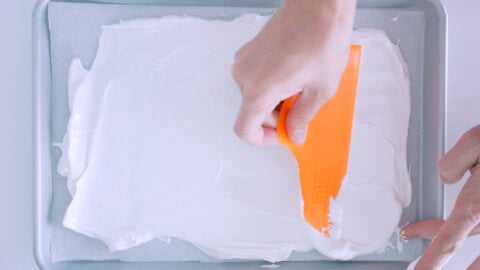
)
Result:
{"points": [[16, 121]]}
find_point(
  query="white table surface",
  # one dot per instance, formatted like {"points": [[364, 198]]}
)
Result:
{"points": [[16, 121]]}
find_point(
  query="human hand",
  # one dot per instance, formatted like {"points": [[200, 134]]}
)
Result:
{"points": [[447, 236], [303, 49]]}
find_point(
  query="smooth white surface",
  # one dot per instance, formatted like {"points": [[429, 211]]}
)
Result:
{"points": [[15, 118], [233, 192]]}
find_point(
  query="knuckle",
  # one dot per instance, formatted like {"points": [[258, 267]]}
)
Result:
{"points": [[236, 71], [250, 95], [245, 135], [238, 55], [476, 129], [240, 131], [257, 99], [472, 137], [239, 68], [241, 52], [449, 249]]}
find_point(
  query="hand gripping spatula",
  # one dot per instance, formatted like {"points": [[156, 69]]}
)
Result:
{"points": [[323, 158]]}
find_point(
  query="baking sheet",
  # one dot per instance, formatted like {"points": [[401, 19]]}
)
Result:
{"points": [[74, 32]]}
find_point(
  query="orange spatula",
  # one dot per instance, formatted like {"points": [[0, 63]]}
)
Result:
{"points": [[323, 158]]}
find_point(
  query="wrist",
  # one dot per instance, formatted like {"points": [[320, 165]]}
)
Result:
{"points": [[324, 11]]}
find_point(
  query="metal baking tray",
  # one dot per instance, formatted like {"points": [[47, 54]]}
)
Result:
{"points": [[424, 49]]}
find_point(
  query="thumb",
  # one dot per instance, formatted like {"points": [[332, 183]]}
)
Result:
{"points": [[306, 106]]}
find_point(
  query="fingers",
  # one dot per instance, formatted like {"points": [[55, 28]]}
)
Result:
{"points": [[269, 136], [475, 265], [427, 229], [464, 155], [463, 219], [271, 120], [424, 229], [306, 106], [445, 243], [242, 51], [250, 123]]}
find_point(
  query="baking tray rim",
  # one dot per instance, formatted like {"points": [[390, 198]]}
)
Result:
{"points": [[42, 134]]}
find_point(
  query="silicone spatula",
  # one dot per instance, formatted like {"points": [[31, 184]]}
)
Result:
{"points": [[323, 158]]}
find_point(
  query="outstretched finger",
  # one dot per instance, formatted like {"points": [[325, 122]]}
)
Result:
{"points": [[464, 217], [428, 229]]}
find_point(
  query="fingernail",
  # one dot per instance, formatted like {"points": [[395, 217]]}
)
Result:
{"points": [[299, 135], [403, 234]]}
